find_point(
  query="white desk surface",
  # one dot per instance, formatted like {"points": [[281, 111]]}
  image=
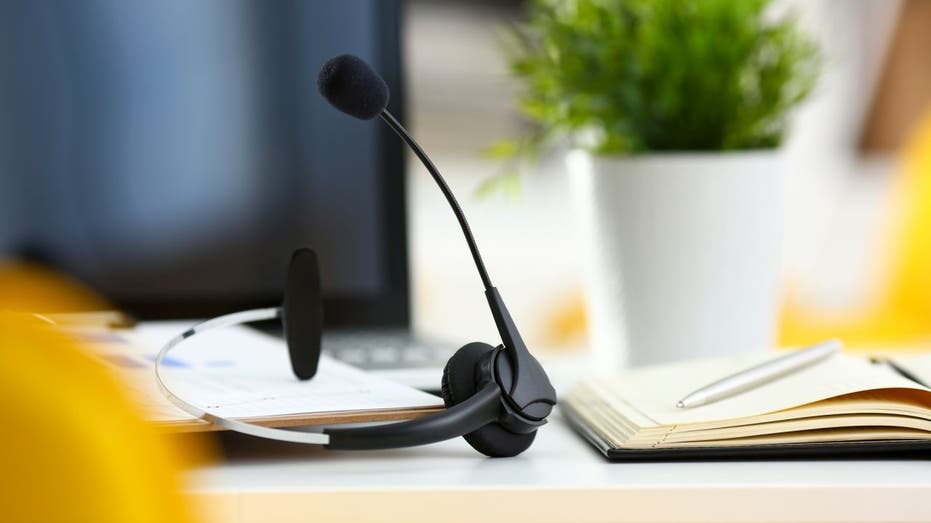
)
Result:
{"points": [[560, 478]]}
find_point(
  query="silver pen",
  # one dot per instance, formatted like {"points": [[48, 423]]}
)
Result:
{"points": [[760, 374]]}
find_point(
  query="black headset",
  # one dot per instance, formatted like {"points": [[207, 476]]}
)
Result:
{"points": [[495, 397]]}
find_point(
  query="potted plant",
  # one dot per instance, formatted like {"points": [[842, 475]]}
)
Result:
{"points": [[674, 111]]}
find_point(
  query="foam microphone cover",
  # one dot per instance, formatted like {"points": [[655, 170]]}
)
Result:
{"points": [[353, 87], [303, 313]]}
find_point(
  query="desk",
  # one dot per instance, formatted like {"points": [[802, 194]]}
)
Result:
{"points": [[560, 478]]}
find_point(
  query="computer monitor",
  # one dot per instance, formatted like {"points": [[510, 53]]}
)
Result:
{"points": [[172, 154]]}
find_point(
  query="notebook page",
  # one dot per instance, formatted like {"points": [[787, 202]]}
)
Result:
{"points": [[654, 391], [241, 373]]}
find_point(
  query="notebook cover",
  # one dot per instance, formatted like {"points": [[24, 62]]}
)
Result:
{"points": [[910, 449]]}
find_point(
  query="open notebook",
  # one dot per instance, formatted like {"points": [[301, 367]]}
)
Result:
{"points": [[844, 404], [241, 373]]}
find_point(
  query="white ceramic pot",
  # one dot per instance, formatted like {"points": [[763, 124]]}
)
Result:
{"points": [[682, 253]]}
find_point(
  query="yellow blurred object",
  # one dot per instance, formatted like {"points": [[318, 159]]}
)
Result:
{"points": [[902, 314], [73, 447], [567, 323], [26, 287]]}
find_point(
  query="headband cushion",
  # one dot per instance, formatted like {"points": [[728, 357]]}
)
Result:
{"points": [[459, 383]]}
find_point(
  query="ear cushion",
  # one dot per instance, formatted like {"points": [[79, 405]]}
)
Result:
{"points": [[459, 383]]}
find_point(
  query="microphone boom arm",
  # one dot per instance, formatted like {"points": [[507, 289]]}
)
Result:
{"points": [[438, 178]]}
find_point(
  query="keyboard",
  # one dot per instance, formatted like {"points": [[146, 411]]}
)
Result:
{"points": [[385, 349]]}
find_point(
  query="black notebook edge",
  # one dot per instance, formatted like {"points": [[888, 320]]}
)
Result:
{"points": [[906, 449]]}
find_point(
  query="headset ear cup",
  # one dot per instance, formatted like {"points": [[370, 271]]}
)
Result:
{"points": [[459, 374], [459, 383]]}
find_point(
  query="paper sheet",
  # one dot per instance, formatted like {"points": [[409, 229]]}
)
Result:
{"points": [[238, 372]]}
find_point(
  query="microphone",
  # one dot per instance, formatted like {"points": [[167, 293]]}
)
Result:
{"points": [[353, 87]]}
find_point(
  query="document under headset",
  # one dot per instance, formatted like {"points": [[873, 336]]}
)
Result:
{"points": [[242, 373]]}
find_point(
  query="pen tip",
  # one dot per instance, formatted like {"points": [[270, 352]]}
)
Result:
{"points": [[680, 405]]}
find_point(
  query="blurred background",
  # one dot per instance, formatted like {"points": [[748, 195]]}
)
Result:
{"points": [[167, 157], [850, 203], [171, 155]]}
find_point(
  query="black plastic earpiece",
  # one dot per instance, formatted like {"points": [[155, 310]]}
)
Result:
{"points": [[302, 313]]}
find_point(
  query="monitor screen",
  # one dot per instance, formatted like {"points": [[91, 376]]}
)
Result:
{"points": [[173, 154]]}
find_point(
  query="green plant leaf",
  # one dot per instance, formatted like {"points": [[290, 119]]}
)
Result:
{"points": [[658, 75]]}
